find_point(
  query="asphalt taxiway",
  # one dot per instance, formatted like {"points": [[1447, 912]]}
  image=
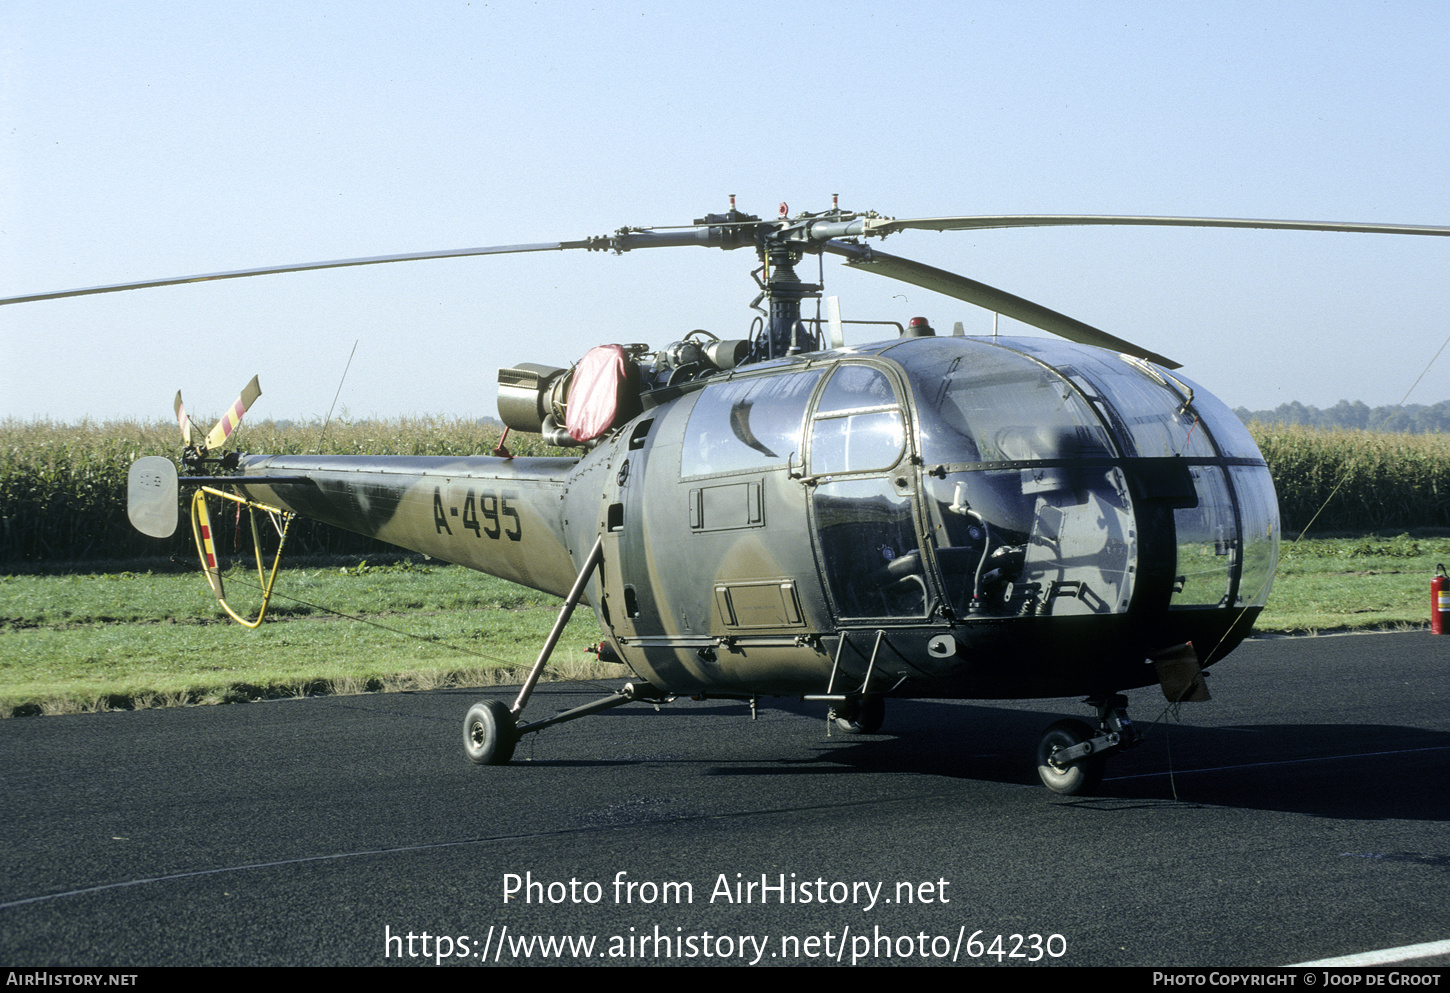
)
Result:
{"points": [[1300, 815]]}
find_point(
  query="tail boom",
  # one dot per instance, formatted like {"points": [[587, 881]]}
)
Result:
{"points": [[499, 516]]}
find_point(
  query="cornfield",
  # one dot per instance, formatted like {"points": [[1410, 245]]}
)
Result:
{"points": [[1364, 480], [63, 487]]}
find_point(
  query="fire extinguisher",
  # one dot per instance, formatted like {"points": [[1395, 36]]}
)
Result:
{"points": [[1439, 600]]}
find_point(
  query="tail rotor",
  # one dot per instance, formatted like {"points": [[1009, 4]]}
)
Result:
{"points": [[223, 429], [153, 489]]}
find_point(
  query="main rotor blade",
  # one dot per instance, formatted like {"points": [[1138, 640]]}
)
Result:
{"points": [[455, 253], [886, 225], [1000, 301]]}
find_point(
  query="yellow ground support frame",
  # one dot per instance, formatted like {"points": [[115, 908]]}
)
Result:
{"points": [[201, 530]]}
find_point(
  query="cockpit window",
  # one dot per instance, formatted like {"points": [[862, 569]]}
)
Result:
{"points": [[854, 387], [747, 424], [865, 522], [1146, 404], [1058, 477], [988, 404], [1229, 433], [869, 548], [858, 425]]}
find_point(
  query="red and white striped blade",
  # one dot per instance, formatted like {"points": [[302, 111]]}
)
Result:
{"points": [[233, 417], [183, 420]]}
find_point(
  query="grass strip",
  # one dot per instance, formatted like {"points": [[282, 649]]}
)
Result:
{"points": [[116, 641], [133, 639]]}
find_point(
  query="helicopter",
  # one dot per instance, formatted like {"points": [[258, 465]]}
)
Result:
{"points": [[782, 514]]}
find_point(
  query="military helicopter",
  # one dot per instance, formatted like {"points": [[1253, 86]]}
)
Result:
{"points": [[928, 516]]}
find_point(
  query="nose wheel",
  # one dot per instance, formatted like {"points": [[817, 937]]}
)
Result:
{"points": [[1069, 777], [1072, 756]]}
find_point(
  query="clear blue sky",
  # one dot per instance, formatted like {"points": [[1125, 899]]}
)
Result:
{"points": [[154, 139]]}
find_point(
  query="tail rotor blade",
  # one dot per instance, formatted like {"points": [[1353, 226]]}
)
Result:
{"points": [[233, 417], [183, 420]]}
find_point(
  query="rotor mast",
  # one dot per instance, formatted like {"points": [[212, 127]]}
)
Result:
{"points": [[784, 332], [780, 247]]}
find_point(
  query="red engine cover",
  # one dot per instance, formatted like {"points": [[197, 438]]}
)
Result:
{"points": [[603, 394]]}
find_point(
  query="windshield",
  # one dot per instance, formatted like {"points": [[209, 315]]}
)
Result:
{"points": [[981, 403], [1045, 463]]}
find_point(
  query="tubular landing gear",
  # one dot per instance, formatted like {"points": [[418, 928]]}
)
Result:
{"points": [[1072, 755], [491, 729]]}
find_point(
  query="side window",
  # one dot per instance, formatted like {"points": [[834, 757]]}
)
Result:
{"points": [[854, 387], [857, 442], [858, 425], [868, 548], [747, 424], [864, 524]]}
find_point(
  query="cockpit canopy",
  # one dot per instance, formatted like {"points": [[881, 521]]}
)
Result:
{"points": [[1013, 399], [1049, 475]]}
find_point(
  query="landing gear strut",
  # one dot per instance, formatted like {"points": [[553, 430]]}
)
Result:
{"points": [[1071, 756], [492, 728]]}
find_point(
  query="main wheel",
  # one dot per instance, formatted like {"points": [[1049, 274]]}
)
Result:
{"points": [[1082, 776], [863, 718], [488, 733]]}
